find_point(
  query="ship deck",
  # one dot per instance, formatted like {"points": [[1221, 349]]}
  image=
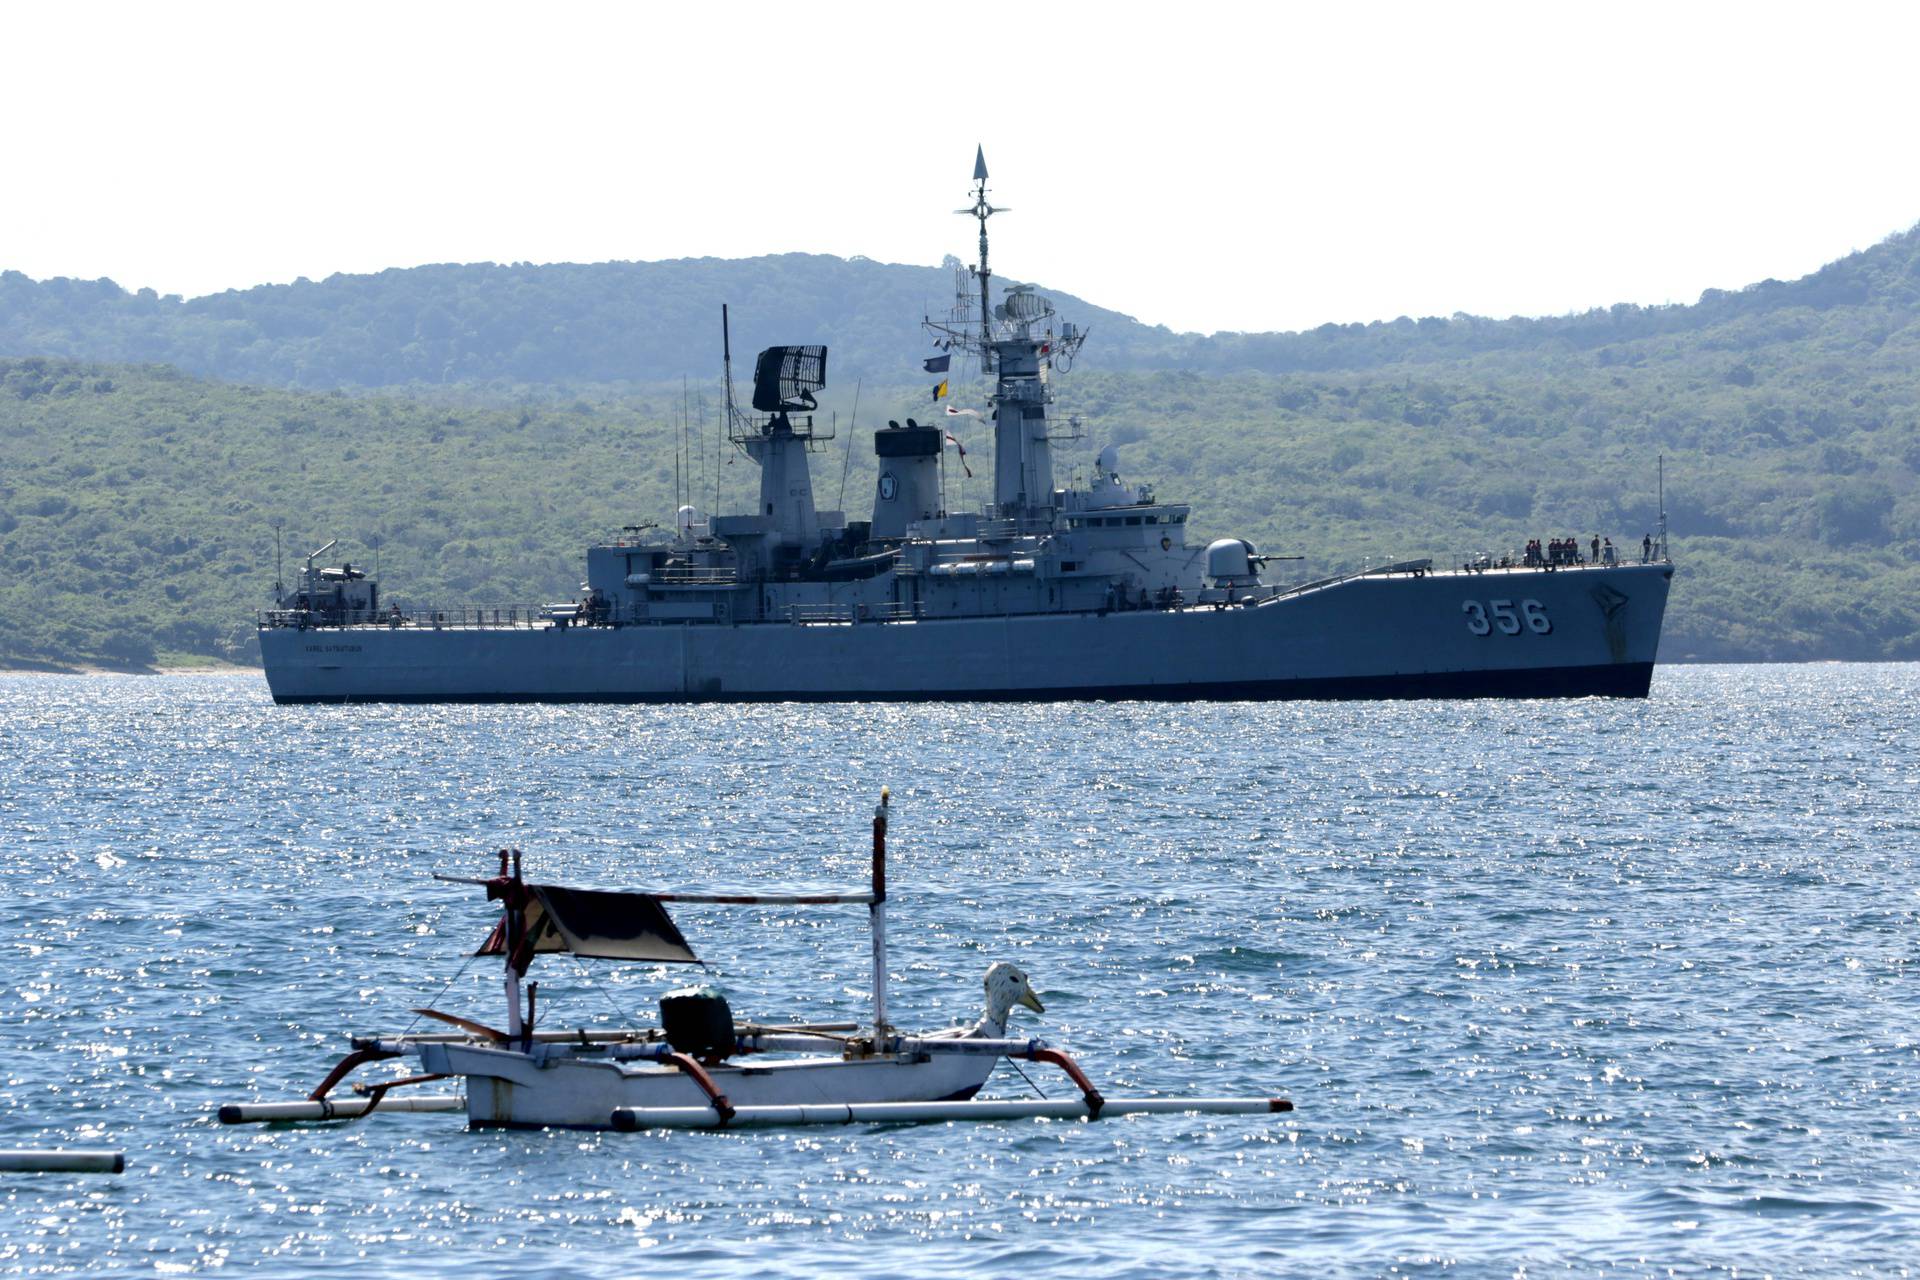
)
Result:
{"points": [[543, 617]]}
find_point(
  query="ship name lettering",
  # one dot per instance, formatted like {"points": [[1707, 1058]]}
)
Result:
{"points": [[333, 648]]}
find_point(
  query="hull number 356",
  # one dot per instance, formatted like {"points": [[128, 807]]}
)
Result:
{"points": [[1484, 619]]}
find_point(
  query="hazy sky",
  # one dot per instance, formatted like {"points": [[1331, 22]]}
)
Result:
{"points": [[1203, 166]]}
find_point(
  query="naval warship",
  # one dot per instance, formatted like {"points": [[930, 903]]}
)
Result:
{"points": [[1048, 593]]}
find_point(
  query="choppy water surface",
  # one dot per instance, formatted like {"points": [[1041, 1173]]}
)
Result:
{"points": [[1625, 986]]}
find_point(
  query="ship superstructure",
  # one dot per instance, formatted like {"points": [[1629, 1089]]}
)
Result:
{"points": [[1048, 592]]}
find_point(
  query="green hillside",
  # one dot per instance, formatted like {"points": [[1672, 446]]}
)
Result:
{"points": [[486, 325], [493, 326], [137, 503]]}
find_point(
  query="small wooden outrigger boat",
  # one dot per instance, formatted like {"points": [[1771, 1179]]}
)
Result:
{"points": [[700, 1068]]}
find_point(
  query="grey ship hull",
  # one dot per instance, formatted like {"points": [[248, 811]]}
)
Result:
{"points": [[1397, 636]]}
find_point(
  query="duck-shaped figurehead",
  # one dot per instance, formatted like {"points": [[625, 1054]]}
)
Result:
{"points": [[1006, 987]]}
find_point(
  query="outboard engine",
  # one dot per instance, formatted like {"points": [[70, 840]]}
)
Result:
{"points": [[698, 1022]]}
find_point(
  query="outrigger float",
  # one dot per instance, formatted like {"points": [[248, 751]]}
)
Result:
{"points": [[700, 1068]]}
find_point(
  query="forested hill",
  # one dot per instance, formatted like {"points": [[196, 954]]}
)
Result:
{"points": [[494, 326], [137, 504], [533, 409], [638, 322]]}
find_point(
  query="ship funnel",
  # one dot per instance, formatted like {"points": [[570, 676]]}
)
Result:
{"points": [[909, 484]]}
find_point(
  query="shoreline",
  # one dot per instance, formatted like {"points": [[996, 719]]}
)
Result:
{"points": [[196, 669], [231, 669]]}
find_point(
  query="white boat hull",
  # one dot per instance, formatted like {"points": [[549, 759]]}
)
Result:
{"points": [[546, 1089]]}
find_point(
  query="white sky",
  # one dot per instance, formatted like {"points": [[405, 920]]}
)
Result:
{"points": [[1204, 166]]}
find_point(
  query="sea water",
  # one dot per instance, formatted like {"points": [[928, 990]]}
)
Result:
{"points": [[1600, 986]]}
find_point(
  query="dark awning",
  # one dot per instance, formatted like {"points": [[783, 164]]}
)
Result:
{"points": [[599, 925]]}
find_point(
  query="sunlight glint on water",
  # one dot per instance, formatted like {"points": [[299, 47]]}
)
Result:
{"points": [[1612, 982]]}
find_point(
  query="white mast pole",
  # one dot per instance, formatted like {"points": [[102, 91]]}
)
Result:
{"points": [[877, 917], [516, 923]]}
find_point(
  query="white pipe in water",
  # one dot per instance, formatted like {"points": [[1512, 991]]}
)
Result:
{"points": [[330, 1109], [62, 1160], [630, 1119]]}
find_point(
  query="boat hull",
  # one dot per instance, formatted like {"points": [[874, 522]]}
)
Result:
{"points": [[514, 1090], [1505, 633]]}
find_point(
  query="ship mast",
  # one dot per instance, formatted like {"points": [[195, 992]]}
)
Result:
{"points": [[1019, 350], [982, 211]]}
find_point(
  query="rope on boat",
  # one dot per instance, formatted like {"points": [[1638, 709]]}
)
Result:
{"points": [[1038, 1091], [443, 990], [586, 975]]}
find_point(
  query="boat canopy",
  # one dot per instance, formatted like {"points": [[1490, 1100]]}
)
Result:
{"points": [[597, 924]]}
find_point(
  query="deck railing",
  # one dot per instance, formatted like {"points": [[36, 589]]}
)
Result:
{"points": [[525, 617], [694, 575], [470, 616], [846, 612]]}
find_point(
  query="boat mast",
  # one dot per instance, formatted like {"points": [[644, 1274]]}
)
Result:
{"points": [[877, 917], [510, 890]]}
